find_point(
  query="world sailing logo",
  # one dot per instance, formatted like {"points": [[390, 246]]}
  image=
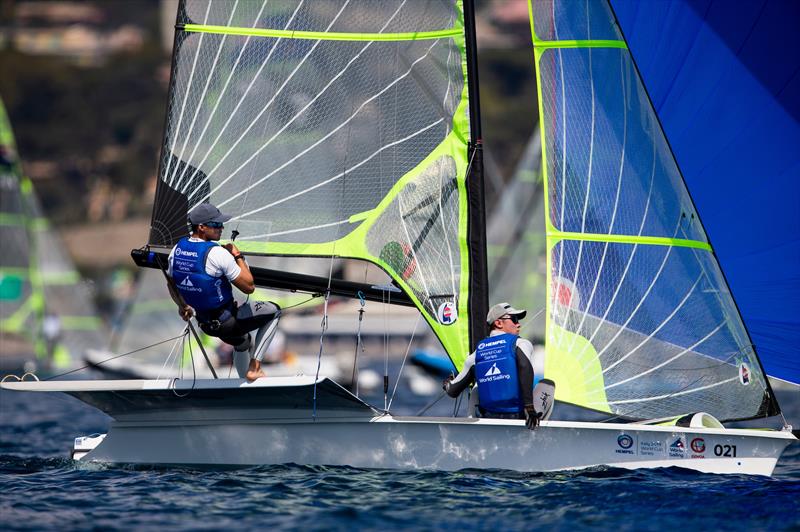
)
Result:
{"points": [[677, 449], [494, 370], [187, 283], [447, 313]]}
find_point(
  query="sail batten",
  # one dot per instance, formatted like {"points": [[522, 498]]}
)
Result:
{"points": [[636, 303], [329, 128]]}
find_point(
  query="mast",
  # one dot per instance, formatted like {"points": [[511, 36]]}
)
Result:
{"points": [[476, 218]]}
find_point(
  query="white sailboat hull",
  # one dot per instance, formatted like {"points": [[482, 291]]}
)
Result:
{"points": [[392, 443], [275, 427]]}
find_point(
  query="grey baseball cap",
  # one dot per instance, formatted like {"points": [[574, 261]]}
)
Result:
{"points": [[205, 212], [501, 309]]}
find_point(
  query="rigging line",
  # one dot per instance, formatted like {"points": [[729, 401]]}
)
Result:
{"points": [[330, 179], [429, 405], [186, 93], [402, 365], [194, 370], [616, 206], [359, 344], [638, 305], [329, 134], [269, 104], [324, 324], [654, 368], [201, 99], [660, 325], [163, 369], [630, 257], [114, 357], [246, 92]]}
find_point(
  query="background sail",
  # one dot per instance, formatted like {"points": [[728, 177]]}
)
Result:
{"points": [[640, 321], [46, 311], [327, 129], [517, 267], [727, 90]]}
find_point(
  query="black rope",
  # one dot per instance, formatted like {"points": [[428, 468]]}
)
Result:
{"points": [[429, 405]]}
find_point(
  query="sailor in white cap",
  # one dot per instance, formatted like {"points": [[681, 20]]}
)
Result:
{"points": [[203, 273], [502, 367]]}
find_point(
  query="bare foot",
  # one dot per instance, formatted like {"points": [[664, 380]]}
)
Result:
{"points": [[254, 374], [254, 371]]}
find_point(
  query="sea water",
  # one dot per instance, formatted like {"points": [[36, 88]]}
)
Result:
{"points": [[41, 488]]}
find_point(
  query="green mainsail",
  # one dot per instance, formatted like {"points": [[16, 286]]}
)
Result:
{"points": [[336, 129]]}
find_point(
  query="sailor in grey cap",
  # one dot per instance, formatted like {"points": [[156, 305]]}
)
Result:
{"points": [[502, 366], [203, 274]]}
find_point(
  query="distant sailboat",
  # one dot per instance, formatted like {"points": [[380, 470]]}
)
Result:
{"points": [[47, 317], [351, 129]]}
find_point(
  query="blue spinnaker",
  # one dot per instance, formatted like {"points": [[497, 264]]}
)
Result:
{"points": [[725, 83]]}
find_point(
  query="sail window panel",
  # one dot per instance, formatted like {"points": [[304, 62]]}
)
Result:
{"points": [[647, 322], [559, 20], [417, 237], [354, 16], [295, 136], [610, 170]]}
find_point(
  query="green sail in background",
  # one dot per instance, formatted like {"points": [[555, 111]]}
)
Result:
{"points": [[328, 129], [39, 288], [639, 319]]}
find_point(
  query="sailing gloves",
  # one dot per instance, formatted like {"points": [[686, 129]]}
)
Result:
{"points": [[446, 383], [532, 417]]}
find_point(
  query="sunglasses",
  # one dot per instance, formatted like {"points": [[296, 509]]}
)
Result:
{"points": [[214, 225], [514, 319]]}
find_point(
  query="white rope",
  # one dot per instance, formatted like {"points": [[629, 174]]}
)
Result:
{"points": [[403, 364]]}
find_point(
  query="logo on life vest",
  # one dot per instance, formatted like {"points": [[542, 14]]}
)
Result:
{"points": [[187, 283], [447, 313], [494, 370], [179, 251]]}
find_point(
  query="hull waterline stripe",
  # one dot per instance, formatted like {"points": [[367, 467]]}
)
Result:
{"points": [[323, 35], [629, 239]]}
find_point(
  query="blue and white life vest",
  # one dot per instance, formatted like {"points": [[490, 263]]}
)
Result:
{"points": [[496, 373], [200, 290]]}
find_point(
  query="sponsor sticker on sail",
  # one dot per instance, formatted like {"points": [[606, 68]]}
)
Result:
{"points": [[447, 313]]}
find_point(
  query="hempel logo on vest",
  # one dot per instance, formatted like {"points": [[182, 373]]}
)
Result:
{"points": [[179, 251], [491, 344]]}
